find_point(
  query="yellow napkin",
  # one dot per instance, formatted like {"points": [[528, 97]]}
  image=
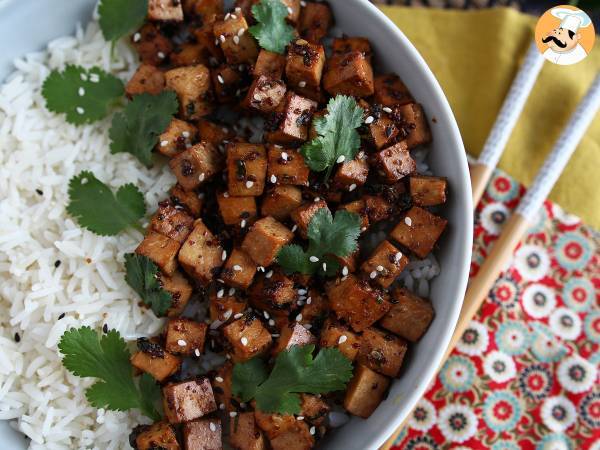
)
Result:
{"points": [[475, 56]]}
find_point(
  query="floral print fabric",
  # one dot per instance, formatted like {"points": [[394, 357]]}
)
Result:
{"points": [[525, 373]]}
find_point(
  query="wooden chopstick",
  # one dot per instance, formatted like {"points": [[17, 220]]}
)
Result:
{"points": [[515, 227]]}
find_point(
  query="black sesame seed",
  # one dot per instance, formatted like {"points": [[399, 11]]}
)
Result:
{"points": [[62, 316], [57, 263], [17, 337], [39, 192], [105, 328]]}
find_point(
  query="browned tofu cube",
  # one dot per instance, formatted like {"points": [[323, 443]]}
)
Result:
{"points": [[172, 222], [304, 214], [246, 169], [381, 351], [179, 288], [203, 8], [304, 66], [358, 207], [356, 302], [391, 91], [222, 385], [146, 79], [313, 408], [188, 400], [178, 137], [286, 166], [236, 42], [265, 239], [419, 231], [161, 250], [351, 74], [273, 292], [247, 337], [293, 334], [184, 336], [274, 424], [214, 133], [224, 307], [340, 337], [269, 64], [292, 129], [395, 162], [151, 45], [428, 191], [193, 88], [157, 435], [188, 200], [296, 438], [189, 55], [382, 130], [239, 269], [226, 81], [351, 174], [244, 434], [378, 208], [205, 37], [384, 265], [315, 20], [315, 309], [365, 391], [234, 210], [413, 116], [154, 360], [203, 434], [280, 201], [409, 315], [165, 10], [265, 94], [345, 45], [197, 164], [201, 254], [349, 261]]}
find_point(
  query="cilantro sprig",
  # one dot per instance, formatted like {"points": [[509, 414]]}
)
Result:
{"points": [[119, 17], [271, 31], [295, 371], [107, 358], [96, 208], [327, 236], [137, 128], [142, 276], [83, 95], [337, 135]]}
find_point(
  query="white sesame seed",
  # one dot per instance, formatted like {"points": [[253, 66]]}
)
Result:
{"points": [[324, 267], [216, 42], [363, 229], [341, 159], [164, 143], [300, 418], [380, 268], [241, 67], [137, 37], [233, 16], [312, 430], [369, 120], [302, 291], [309, 300], [241, 32], [220, 78], [236, 39], [249, 184], [161, 55], [290, 10], [94, 78], [269, 274], [181, 343], [273, 179], [202, 176], [221, 293], [219, 379], [373, 275], [398, 256], [300, 303], [238, 9], [84, 181], [232, 414], [227, 16], [237, 268], [197, 352], [237, 316], [408, 221], [308, 326], [343, 338], [224, 255], [81, 92], [243, 223], [303, 3], [227, 314], [222, 38], [298, 317], [284, 156], [387, 109], [185, 134], [79, 110], [221, 405], [266, 314], [313, 259], [302, 84], [345, 270], [260, 269], [275, 335], [231, 291], [244, 341], [226, 194], [271, 322], [352, 187], [83, 77], [212, 427], [294, 228]]}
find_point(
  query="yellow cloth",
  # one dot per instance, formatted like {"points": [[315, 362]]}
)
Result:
{"points": [[475, 56]]}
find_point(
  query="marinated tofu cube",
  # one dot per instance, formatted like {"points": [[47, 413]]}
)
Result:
{"points": [[197, 164], [269, 64], [193, 88], [178, 137], [234, 210], [158, 435], [185, 337], [188, 400], [265, 239], [293, 334], [246, 169], [315, 309], [203, 434], [391, 91], [350, 262], [239, 269], [428, 191], [223, 306], [413, 116], [304, 66], [358, 207], [205, 9], [351, 174], [365, 391], [154, 360], [292, 129], [189, 55], [274, 424], [383, 131], [313, 408], [286, 166], [147, 79], [226, 81], [296, 438], [244, 434], [247, 337], [351, 74], [381, 351], [273, 292], [214, 133], [188, 200], [222, 383], [280, 201], [385, 264], [171, 221], [304, 214], [161, 250], [205, 37], [165, 10], [356, 302], [409, 315], [200, 255], [235, 41], [342, 46], [419, 231], [265, 94], [179, 288], [395, 162], [152, 47], [315, 21], [378, 208], [340, 337]]}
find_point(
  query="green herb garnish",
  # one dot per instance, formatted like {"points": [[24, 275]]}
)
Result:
{"points": [[119, 17], [142, 276], [272, 31]]}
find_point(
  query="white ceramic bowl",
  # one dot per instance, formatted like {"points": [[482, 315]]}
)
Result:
{"points": [[394, 53]]}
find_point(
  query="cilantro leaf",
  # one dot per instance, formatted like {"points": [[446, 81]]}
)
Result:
{"points": [[96, 208], [142, 277], [337, 135], [272, 31], [119, 17], [327, 236], [137, 128], [107, 358], [84, 95], [295, 371]]}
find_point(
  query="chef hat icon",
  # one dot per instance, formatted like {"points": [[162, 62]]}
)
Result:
{"points": [[571, 19]]}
